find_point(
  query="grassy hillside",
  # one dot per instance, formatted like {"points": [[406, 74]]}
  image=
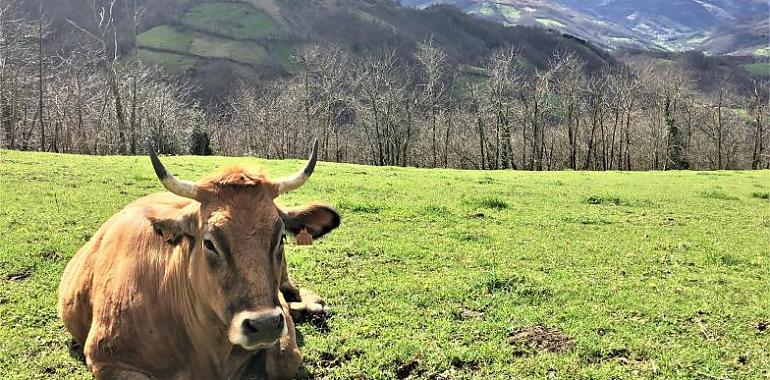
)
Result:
{"points": [[449, 274], [759, 69], [213, 30], [251, 40]]}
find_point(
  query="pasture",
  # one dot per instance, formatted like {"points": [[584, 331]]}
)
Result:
{"points": [[445, 274], [213, 30]]}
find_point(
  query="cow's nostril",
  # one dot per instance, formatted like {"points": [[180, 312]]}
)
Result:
{"points": [[280, 322], [250, 326]]}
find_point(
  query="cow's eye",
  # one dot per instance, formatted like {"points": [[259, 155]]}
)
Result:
{"points": [[209, 245]]}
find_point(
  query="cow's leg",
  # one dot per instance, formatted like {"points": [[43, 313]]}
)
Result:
{"points": [[283, 360], [310, 304], [108, 372], [289, 290], [302, 302]]}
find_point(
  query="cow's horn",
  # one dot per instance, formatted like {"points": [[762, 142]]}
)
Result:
{"points": [[171, 183], [288, 184]]}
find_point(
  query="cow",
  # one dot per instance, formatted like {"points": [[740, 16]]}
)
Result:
{"points": [[192, 283]]}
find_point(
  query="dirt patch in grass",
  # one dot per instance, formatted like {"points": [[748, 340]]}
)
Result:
{"points": [[332, 359], [473, 365], [50, 255], [541, 339], [622, 356], [466, 313], [404, 370]]}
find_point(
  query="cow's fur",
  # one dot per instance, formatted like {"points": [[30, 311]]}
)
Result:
{"points": [[143, 301]]}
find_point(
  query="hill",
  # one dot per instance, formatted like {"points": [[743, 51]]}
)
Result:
{"points": [[508, 275], [704, 71], [253, 40], [652, 24]]}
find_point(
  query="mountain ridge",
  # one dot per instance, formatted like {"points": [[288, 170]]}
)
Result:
{"points": [[668, 25]]}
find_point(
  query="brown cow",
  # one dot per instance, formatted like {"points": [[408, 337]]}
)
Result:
{"points": [[193, 285]]}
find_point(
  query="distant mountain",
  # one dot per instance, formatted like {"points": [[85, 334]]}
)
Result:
{"points": [[220, 43], [672, 25]]}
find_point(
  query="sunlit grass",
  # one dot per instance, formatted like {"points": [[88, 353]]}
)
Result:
{"points": [[449, 274]]}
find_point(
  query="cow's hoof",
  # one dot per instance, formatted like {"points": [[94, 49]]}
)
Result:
{"points": [[310, 306]]}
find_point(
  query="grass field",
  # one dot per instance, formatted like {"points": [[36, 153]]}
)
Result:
{"points": [[447, 274], [173, 63], [213, 30], [759, 69], [240, 21], [166, 37], [549, 23], [762, 52]]}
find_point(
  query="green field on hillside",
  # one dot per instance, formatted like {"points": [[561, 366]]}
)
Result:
{"points": [[446, 274], [213, 30], [235, 20], [549, 23], [510, 13], [173, 63], [762, 52], [166, 37], [759, 69]]}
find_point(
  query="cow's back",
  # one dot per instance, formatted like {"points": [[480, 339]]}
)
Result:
{"points": [[75, 305], [116, 273]]}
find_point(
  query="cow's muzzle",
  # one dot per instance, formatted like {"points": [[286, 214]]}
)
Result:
{"points": [[256, 330]]}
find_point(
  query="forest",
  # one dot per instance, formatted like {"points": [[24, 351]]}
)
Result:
{"points": [[383, 107]]}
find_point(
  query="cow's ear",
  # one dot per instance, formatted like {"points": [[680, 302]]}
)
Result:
{"points": [[317, 219], [172, 226]]}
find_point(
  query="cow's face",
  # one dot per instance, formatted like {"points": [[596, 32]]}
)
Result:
{"points": [[238, 255], [242, 254]]}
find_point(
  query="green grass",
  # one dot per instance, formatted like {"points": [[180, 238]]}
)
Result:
{"points": [[449, 274], [487, 10], [188, 42], [165, 37], [510, 13], [235, 20], [212, 30], [244, 52], [762, 52], [549, 23], [759, 69], [174, 63]]}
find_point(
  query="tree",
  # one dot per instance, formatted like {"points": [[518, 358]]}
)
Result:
{"points": [[432, 60]]}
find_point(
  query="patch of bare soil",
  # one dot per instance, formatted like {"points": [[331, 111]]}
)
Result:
{"points": [[621, 355], [541, 339], [332, 359], [466, 313], [403, 370]]}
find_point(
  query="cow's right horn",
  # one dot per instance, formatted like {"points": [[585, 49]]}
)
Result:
{"points": [[171, 183]]}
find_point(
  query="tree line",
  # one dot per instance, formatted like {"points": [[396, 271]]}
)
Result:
{"points": [[379, 108]]}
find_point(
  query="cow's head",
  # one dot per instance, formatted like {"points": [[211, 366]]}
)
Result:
{"points": [[237, 234]]}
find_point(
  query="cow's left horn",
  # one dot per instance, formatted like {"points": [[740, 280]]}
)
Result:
{"points": [[288, 184], [171, 183]]}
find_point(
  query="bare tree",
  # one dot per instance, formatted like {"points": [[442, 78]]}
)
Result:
{"points": [[432, 60]]}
